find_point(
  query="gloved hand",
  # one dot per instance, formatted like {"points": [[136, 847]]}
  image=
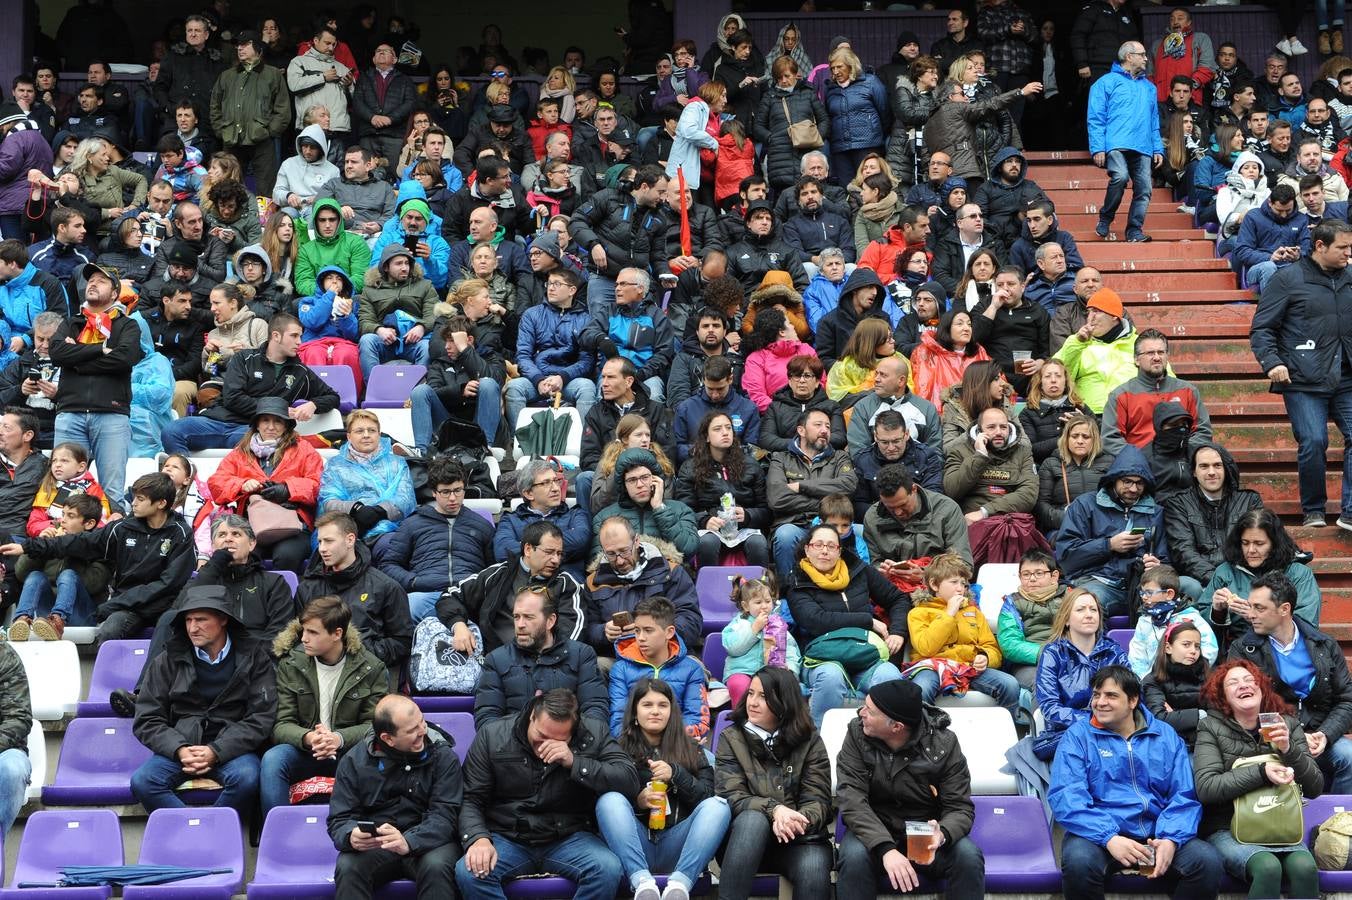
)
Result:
{"points": [[366, 517], [608, 349], [221, 559], [276, 492]]}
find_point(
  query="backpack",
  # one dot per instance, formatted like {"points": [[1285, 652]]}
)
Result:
{"points": [[1333, 843], [465, 443], [436, 667]]}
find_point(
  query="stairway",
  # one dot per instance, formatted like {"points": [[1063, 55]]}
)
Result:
{"points": [[1175, 284]]}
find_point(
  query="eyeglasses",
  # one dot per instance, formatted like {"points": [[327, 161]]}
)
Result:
{"points": [[625, 553], [807, 374], [545, 483], [626, 284], [499, 74], [1037, 573], [823, 545], [450, 492], [1150, 592], [971, 216], [637, 480], [895, 442]]}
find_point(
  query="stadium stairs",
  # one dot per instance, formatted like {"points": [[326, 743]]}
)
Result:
{"points": [[1175, 284]]}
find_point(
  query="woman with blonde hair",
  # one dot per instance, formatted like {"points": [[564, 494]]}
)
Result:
{"points": [[366, 480], [1052, 400], [856, 103], [631, 432], [560, 84], [870, 343], [224, 166], [103, 184], [281, 242], [1073, 469]]}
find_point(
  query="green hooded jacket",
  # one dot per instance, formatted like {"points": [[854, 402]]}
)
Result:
{"points": [[345, 250]]}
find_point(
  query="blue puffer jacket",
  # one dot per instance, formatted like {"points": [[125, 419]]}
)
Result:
{"points": [[1062, 690], [821, 297], [1104, 785], [382, 481], [745, 418], [858, 114], [1123, 114], [27, 295], [547, 343], [430, 552], [1093, 518], [1263, 231], [435, 265], [1023, 253], [573, 521], [316, 312]]}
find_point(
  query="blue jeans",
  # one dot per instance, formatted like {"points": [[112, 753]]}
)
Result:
{"points": [[372, 351], [16, 770], [153, 784], [1260, 274], [1195, 873], [1336, 764], [960, 864], [1000, 685], [830, 686], [579, 393], [428, 412], [1124, 165], [582, 484], [283, 765], [1309, 415], [422, 604], [1321, 11], [108, 437], [582, 858], [600, 294], [72, 602], [200, 433], [784, 546], [683, 850]]}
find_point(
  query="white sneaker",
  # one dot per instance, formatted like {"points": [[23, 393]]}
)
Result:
{"points": [[1190, 210], [1284, 46], [647, 890], [1297, 48], [675, 891]]}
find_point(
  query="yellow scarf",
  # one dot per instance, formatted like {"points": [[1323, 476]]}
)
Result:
{"points": [[835, 580]]}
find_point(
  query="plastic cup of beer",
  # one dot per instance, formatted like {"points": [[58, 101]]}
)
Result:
{"points": [[1021, 357], [1147, 868], [1268, 722], [919, 838]]}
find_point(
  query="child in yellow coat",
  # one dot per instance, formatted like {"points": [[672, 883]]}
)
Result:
{"points": [[953, 645]]}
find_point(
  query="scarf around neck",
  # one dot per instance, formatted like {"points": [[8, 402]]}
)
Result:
{"points": [[261, 448], [835, 580], [880, 210]]}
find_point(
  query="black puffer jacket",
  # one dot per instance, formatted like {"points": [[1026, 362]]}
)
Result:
{"points": [[485, 599], [379, 605], [1042, 426], [742, 101], [703, 495], [782, 162], [598, 428], [96, 378], [817, 610], [879, 789], [835, 328], [1182, 691], [510, 792], [186, 72], [705, 233], [481, 137], [1056, 482], [754, 255], [1328, 706], [911, 109], [630, 234], [512, 676], [419, 794], [1197, 526], [779, 422], [1097, 34]]}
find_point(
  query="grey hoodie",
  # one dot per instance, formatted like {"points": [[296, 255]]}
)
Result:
{"points": [[305, 178]]}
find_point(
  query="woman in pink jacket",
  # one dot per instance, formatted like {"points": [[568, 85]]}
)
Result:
{"points": [[773, 342]]}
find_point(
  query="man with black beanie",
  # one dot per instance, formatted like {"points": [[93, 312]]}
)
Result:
{"points": [[900, 763]]}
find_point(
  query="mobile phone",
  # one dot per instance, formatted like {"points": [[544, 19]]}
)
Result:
{"points": [[366, 827], [411, 242], [1139, 529], [622, 619]]}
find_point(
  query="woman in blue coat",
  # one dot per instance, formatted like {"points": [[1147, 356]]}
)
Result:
{"points": [[366, 480], [1068, 663], [857, 105]]}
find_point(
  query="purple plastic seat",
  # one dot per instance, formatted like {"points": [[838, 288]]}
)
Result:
{"points": [[540, 887], [207, 838], [1014, 835], [1316, 811], [98, 757], [291, 579], [1122, 636], [714, 656], [343, 382], [55, 838], [390, 384], [444, 703], [295, 856], [118, 665], [714, 587], [1119, 622], [459, 725], [723, 721]]}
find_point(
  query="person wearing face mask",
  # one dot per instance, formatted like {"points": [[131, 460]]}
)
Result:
{"points": [[1107, 532], [1198, 519], [1167, 451]]}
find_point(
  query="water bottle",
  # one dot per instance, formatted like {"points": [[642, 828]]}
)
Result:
{"points": [[727, 511]]}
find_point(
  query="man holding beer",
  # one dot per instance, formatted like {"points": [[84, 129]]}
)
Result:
{"points": [[1122, 789], [905, 793]]}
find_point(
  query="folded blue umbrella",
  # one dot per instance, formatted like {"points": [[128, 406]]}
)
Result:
{"points": [[87, 876]]}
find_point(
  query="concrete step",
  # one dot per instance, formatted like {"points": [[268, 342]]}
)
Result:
{"points": [[1087, 200], [1109, 266], [1240, 397], [1283, 455], [1256, 433], [1081, 171], [1211, 320], [1163, 292], [1184, 254], [1082, 224], [1056, 157], [1148, 282], [1184, 232], [1275, 487]]}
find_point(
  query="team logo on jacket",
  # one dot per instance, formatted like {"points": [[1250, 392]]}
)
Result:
{"points": [[289, 381], [363, 597], [165, 546]]}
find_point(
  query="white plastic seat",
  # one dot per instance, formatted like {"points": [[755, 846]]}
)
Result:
{"points": [[397, 423], [216, 452], [985, 733], [320, 422], [53, 669], [37, 757], [997, 580], [206, 465], [834, 725], [492, 506]]}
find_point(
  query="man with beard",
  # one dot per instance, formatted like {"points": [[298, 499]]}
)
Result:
{"points": [[485, 599], [189, 230], [537, 661], [763, 249], [709, 341], [991, 473], [799, 477], [182, 272], [1310, 161], [1127, 414], [813, 228]]}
